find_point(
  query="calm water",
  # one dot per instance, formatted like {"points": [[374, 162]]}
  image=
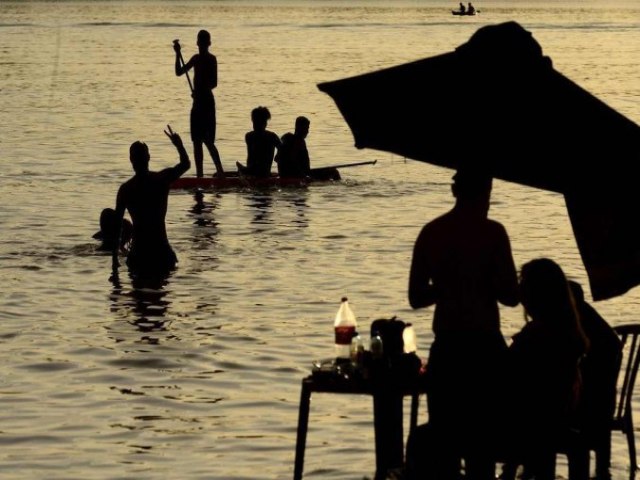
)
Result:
{"points": [[199, 379]]}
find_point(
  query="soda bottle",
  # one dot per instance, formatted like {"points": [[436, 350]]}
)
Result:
{"points": [[344, 326]]}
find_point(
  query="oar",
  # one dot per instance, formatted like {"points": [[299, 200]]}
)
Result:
{"points": [[177, 42], [345, 165]]}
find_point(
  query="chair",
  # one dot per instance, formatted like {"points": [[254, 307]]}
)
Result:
{"points": [[579, 445], [623, 417]]}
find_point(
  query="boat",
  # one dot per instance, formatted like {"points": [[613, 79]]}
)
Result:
{"points": [[239, 180], [465, 13]]}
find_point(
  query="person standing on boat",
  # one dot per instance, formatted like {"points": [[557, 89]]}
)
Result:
{"points": [[203, 110], [293, 156], [462, 263], [145, 196], [261, 145]]}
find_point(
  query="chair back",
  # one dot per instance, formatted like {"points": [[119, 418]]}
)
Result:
{"points": [[629, 335]]}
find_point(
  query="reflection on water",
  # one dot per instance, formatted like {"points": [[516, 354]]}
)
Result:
{"points": [[144, 305], [260, 202]]}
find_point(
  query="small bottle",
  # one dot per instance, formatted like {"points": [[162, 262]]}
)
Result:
{"points": [[357, 350], [344, 326], [376, 346], [409, 339]]}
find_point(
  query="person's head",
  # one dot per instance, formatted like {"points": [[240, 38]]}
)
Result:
{"points": [[108, 230], [472, 184], [204, 40], [544, 290], [139, 156], [302, 126], [260, 116], [546, 296]]}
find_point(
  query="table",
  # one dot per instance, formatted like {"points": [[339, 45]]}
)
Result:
{"points": [[387, 393]]}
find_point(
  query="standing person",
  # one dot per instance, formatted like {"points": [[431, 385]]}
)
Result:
{"points": [[261, 144], [544, 364], [293, 156], [145, 196], [462, 264], [203, 110]]}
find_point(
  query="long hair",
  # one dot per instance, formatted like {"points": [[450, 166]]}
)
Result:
{"points": [[547, 299]]}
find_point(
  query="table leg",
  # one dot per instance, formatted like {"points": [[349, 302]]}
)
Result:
{"points": [[301, 438], [389, 438]]}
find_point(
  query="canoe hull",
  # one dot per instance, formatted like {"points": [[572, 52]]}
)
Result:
{"points": [[234, 180]]}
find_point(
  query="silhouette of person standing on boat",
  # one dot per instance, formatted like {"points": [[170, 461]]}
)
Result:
{"points": [[462, 263], [145, 196], [203, 110], [293, 157], [261, 145]]}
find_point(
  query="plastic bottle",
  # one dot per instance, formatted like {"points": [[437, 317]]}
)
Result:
{"points": [[376, 347], [357, 350], [344, 325], [409, 339]]}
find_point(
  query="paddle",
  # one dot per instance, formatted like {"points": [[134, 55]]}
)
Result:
{"points": [[345, 165], [176, 42]]}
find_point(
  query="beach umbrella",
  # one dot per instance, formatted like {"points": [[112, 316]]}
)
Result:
{"points": [[497, 102]]}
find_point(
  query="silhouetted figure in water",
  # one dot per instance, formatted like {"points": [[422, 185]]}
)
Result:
{"points": [[544, 375], [145, 196], [109, 232], [293, 156], [203, 111], [261, 145], [462, 264]]}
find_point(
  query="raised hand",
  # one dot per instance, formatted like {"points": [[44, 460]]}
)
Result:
{"points": [[176, 46], [174, 137]]}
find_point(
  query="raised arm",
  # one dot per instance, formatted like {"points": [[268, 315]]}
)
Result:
{"points": [[180, 67], [184, 163]]}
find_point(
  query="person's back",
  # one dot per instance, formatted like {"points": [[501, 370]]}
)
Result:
{"points": [[293, 157], [599, 371], [145, 197], [261, 144], [462, 264]]}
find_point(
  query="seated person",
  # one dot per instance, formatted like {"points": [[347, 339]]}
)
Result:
{"points": [[599, 371], [462, 8], [261, 145], [108, 231], [544, 376], [293, 156]]}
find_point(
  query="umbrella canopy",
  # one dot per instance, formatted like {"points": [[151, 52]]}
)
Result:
{"points": [[496, 102]]}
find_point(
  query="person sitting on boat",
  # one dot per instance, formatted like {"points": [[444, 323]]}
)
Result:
{"points": [[293, 156], [462, 8], [471, 10], [261, 145], [108, 232]]}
